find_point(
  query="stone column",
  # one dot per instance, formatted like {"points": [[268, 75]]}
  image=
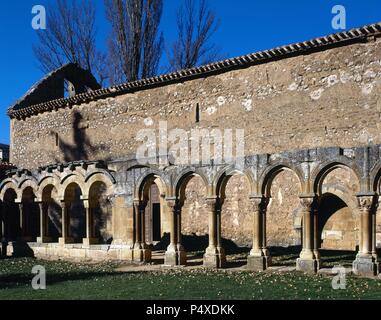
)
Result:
{"points": [[175, 254], [215, 255], [22, 221], [316, 235], [259, 258], [307, 261], [2, 226], [366, 261], [90, 239], [44, 237], [141, 253], [65, 222]]}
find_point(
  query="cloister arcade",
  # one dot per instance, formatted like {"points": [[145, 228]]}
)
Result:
{"points": [[79, 205]]}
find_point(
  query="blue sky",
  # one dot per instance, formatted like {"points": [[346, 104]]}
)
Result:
{"points": [[245, 26]]}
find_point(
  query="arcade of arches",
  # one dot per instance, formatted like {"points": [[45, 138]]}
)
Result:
{"points": [[98, 211]]}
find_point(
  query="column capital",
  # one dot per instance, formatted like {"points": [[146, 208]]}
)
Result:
{"points": [[212, 202], [86, 203], [307, 201], [367, 201], [171, 202], [140, 204]]}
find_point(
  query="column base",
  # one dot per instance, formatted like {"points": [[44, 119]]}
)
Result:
{"points": [[44, 239], [175, 257], [214, 258], [63, 241], [258, 263], [365, 265], [142, 255], [307, 265], [89, 241]]}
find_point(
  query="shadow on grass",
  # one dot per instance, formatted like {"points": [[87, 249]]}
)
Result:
{"points": [[21, 280]]}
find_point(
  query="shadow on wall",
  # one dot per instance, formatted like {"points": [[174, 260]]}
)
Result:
{"points": [[82, 149], [194, 243]]}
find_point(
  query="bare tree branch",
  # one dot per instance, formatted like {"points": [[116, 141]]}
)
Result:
{"points": [[135, 43], [196, 24], [70, 37]]}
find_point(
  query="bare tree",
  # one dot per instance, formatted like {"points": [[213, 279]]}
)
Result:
{"points": [[70, 37], [135, 43], [196, 24]]}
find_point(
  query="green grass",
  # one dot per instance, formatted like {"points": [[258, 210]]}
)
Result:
{"points": [[80, 281]]}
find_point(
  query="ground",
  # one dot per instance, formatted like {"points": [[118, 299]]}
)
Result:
{"points": [[115, 281]]}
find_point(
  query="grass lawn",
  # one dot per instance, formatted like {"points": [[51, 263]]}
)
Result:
{"points": [[101, 281]]}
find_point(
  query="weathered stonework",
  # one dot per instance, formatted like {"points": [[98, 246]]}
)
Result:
{"points": [[311, 123]]}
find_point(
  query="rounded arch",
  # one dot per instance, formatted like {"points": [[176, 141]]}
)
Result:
{"points": [[185, 176], [269, 174], [341, 193], [99, 177], [45, 182], [375, 177], [338, 221], [144, 183], [321, 172], [7, 185], [223, 177], [28, 183], [69, 179]]}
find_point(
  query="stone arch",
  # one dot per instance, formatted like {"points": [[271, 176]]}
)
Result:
{"points": [[9, 184], [321, 172], [99, 177], [31, 211], [98, 192], [282, 184], [11, 217], [271, 172], [234, 188], [338, 222], [69, 179], [375, 177], [223, 177], [146, 180], [185, 176], [28, 183], [45, 181], [76, 216], [48, 196], [337, 185]]}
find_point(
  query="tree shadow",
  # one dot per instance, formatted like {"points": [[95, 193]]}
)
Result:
{"points": [[21, 249], [82, 149]]}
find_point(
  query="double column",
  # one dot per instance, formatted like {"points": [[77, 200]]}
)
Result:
{"points": [[309, 259], [215, 254], [259, 258], [65, 223], [44, 223], [175, 254], [141, 252], [90, 238], [366, 260]]}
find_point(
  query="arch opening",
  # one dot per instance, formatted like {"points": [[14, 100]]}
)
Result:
{"points": [[100, 213], [11, 216], [52, 210], [30, 219], [76, 217]]}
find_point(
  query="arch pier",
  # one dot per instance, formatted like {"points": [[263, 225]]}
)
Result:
{"points": [[120, 210]]}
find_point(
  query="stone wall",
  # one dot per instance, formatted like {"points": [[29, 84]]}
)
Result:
{"points": [[322, 99], [316, 100]]}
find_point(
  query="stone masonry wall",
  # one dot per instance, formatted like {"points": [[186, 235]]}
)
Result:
{"points": [[322, 99]]}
